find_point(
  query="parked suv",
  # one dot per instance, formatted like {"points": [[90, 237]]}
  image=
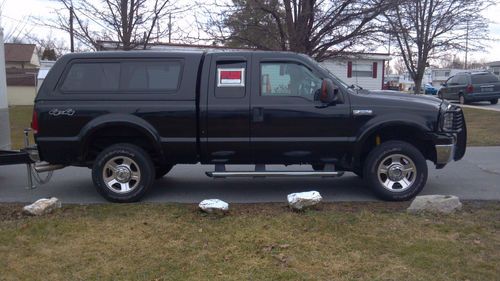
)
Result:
{"points": [[132, 116], [471, 86]]}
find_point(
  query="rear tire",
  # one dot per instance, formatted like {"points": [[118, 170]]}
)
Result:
{"points": [[440, 95], [123, 173], [494, 101], [395, 170]]}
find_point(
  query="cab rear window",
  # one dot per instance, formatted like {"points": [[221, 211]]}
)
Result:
{"points": [[127, 76]]}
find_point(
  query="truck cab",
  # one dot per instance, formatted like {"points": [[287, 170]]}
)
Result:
{"points": [[131, 116]]}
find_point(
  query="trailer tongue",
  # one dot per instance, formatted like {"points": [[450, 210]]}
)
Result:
{"points": [[28, 156]]}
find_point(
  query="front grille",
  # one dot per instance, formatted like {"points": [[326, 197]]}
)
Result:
{"points": [[458, 120]]}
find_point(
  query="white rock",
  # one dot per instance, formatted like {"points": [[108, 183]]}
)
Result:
{"points": [[298, 201], [435, 204], [214, 206], [42, 206]]}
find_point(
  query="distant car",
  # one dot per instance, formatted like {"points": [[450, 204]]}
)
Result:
{"points": [[471, 86], [430, 90]]}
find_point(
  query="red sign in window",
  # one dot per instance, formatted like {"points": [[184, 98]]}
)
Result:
{"points": [[230, 74], [231, 77]]}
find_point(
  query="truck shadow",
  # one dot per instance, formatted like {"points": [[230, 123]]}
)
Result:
{"points": [[250, 190]]}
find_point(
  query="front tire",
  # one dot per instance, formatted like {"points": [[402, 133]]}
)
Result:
{"points": [[494, 101], [440, 95], [123, 173], [395, 170]]}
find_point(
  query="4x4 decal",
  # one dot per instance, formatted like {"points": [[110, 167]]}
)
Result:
{"points": [[57, 112]]}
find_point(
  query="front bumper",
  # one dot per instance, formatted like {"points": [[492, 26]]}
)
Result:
{"points": [[444, 153]]}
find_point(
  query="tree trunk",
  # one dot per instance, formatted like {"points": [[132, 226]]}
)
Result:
{"points": [[418, 84]]}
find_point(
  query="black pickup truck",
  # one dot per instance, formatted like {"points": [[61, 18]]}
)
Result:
{"points": [[131, 116]]}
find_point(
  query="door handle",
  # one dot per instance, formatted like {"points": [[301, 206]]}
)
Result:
{"points": [[258, 114]]}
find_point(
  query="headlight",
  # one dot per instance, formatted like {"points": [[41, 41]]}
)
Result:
{"points": [[452, 119], [447, 123]]}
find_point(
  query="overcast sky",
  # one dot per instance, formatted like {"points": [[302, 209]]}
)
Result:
{"points": [[16, 16]]}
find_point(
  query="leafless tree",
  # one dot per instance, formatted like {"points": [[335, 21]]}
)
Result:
{"points": [[399, 66], [319, 28], [131, 23], [424, 29], [449, 60], [49, 42]]}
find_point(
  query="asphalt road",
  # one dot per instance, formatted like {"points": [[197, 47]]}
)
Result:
{"points": [[476, 177]]}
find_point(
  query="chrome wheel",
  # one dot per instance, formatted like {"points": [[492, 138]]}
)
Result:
{"points": [[121, 174], [397, 172]]}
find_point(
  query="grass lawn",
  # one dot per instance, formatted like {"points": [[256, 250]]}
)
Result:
{"points": [[20, 119], [340, 241], [483, 125]]}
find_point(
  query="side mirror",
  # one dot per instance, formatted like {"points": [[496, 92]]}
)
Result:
{"points": [[329, 92], [443, 84]]}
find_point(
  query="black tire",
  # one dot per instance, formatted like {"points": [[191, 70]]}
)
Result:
{"points": [[494, 101], [440, 95], [161, 171], [396, 148], [140, 167]]}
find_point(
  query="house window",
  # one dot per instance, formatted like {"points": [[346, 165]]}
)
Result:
{"points": [[362, 70]]}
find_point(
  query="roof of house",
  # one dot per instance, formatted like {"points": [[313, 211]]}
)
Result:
{"points": [[494, 63], [19, 52]]}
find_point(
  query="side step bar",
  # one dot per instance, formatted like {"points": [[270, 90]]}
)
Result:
{"points": [[235, 174]]}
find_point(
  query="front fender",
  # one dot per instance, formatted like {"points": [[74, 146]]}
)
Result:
{"points": [[414, 122]]}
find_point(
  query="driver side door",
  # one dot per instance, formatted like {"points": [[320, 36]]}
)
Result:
{"points": [[288, 124]]}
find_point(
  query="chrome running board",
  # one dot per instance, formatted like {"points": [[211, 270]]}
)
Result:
{"points": [[238, 174]]}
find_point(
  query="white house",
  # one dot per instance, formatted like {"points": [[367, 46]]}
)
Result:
{"points": [[45, 66], [366, 70], [440, 75], [494, 67]]}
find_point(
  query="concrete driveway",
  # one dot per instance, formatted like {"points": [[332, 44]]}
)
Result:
{"points": [[476, 177]]}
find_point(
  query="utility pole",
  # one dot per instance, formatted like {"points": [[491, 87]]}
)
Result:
{"points": [[4, 105], [71, 31], [157, 31], [466, 44], [169, 28]]}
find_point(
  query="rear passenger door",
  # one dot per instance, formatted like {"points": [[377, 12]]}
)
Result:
{"points": [[226, 133]]}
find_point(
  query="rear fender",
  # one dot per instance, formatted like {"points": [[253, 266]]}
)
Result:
{"points": [[117, 120]]}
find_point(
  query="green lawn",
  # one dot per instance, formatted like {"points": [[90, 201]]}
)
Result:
{"points": [[483, 125], [20, 119], [339, 241]]}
